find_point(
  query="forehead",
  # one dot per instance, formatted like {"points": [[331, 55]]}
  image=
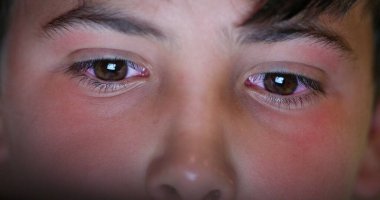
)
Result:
{"points": [[238, 11]]}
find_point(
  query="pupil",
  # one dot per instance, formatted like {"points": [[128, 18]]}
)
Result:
{"points": [[282, 84], [109, 70]]}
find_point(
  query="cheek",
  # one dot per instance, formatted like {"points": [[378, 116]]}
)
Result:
{"points": [[315, 155], [60, 138]]}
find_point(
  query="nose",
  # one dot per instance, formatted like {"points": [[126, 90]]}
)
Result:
{"points": [[193, 161], [191, 169]]}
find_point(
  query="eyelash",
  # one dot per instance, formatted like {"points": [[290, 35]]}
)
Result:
{"points": [[80, 70], [293, 101], [313, 90]]}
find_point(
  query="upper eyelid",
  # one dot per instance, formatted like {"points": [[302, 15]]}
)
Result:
{"points": [[284, 72], [288, 67], [87, 54], [88, 62], [261, 76]]}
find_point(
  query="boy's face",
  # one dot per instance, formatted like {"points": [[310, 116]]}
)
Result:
{"points": [[202, 108]]}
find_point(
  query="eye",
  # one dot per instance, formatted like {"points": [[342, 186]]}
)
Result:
{"points": [[114, 70], [284, 89], [277, 83], [108, 75], [283, 84]]}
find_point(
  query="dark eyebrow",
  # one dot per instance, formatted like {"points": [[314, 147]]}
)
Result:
{"points": [[282, 20], [287, 32], [275, 11], [95, 15]]}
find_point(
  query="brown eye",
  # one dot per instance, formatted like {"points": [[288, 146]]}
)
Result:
{"points": [[110, 70], [283, 90], [282, 84]]}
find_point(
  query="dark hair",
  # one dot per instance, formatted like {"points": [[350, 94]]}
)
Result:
{"points": [[5, 6], [376, 20], [278, 10]]}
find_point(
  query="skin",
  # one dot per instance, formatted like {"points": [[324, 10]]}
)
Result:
{"points": [[192, 124]]}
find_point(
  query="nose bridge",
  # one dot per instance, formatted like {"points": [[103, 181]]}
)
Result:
{"points": [[202, 85], [198, 127], [200, 113]]}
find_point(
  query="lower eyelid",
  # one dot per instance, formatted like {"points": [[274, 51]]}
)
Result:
{"points": [[103, 89], [293, 102]]}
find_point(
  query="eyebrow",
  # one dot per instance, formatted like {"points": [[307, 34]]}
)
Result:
{"points": [[95, 15], [274, 11], [282, 20], [287, 32]]}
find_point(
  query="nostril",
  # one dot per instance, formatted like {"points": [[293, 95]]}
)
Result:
{"points": [[213, 195], [169, 192]]}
